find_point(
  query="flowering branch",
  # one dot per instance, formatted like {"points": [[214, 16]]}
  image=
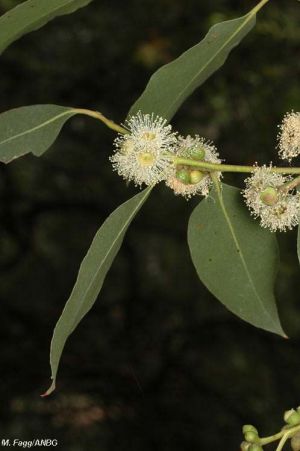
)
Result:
{"points": [[148, 151], [230, 167], [290, 185], [97, 115]]}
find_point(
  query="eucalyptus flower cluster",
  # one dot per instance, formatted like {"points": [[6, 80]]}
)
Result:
{"points": [[147, 154], [272, 196], [150, 152], [142, 154], [267, 198], [289, 136]]}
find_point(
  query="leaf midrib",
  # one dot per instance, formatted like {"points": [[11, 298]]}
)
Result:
{"points": [[123, 229], [37, 127], [36, 19], [248, 17], [236, 241]]}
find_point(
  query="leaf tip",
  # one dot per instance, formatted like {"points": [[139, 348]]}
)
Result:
{"points": [[50, 390]]}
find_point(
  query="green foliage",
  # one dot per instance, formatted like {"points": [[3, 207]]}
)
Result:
{"points": [[173, 83], [92, 273], [30, 129], [235, 258], [31, 15]]}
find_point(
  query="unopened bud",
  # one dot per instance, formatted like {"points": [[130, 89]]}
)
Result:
{"points": [[249, 428], [255, 447], [291, 417], [251, 437], [183, 176], [196, 177], [198, 153], [245, 446], [269, 196]]}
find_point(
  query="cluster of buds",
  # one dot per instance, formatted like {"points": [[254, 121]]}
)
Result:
{"points": [[292, 417], [188, 180], [146, 154], [291, 430], [267, 198], [150, 152], [292, 420], [252, 441]]}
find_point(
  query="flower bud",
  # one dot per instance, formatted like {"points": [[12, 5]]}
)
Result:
{"points": [[245, 446], [255, 447], [249, 428], [251, 437], [183, 176], [198, 153], [196, 177], [291, 417], [269, 196]]}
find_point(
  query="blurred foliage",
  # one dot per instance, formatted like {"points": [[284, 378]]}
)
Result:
{"points": [[158, 363]]}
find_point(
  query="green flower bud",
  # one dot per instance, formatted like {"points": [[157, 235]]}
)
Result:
{"points": [[269, 196], [196, 177], [255, 447], [183, 176], [197, 153], [245, 446], [295, 441], [249, 428], [251, 437], [291, 417]]}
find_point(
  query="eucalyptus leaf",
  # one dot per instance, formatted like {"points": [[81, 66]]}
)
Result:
{"points": [[170, 85], [235, 258], [31, 15], [31, 129], [92, 273]]}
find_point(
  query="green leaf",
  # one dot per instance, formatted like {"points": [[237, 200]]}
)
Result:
{"points": [[31, 15], [235, 258], [92, 273], [173, 83], [31, 129]]}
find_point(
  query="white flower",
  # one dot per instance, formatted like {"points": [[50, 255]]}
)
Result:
{"points": [[187, 180], [289, 136], [282, 216], [143, 155], [277, 208]]}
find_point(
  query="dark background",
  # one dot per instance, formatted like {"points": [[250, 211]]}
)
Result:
{"points": [[158, 364]]}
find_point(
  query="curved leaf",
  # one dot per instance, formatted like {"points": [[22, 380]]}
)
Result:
{"points": [[173, 83], [92, 273], [235, 258], [31, 15], [34, 128], [31, 129]]}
